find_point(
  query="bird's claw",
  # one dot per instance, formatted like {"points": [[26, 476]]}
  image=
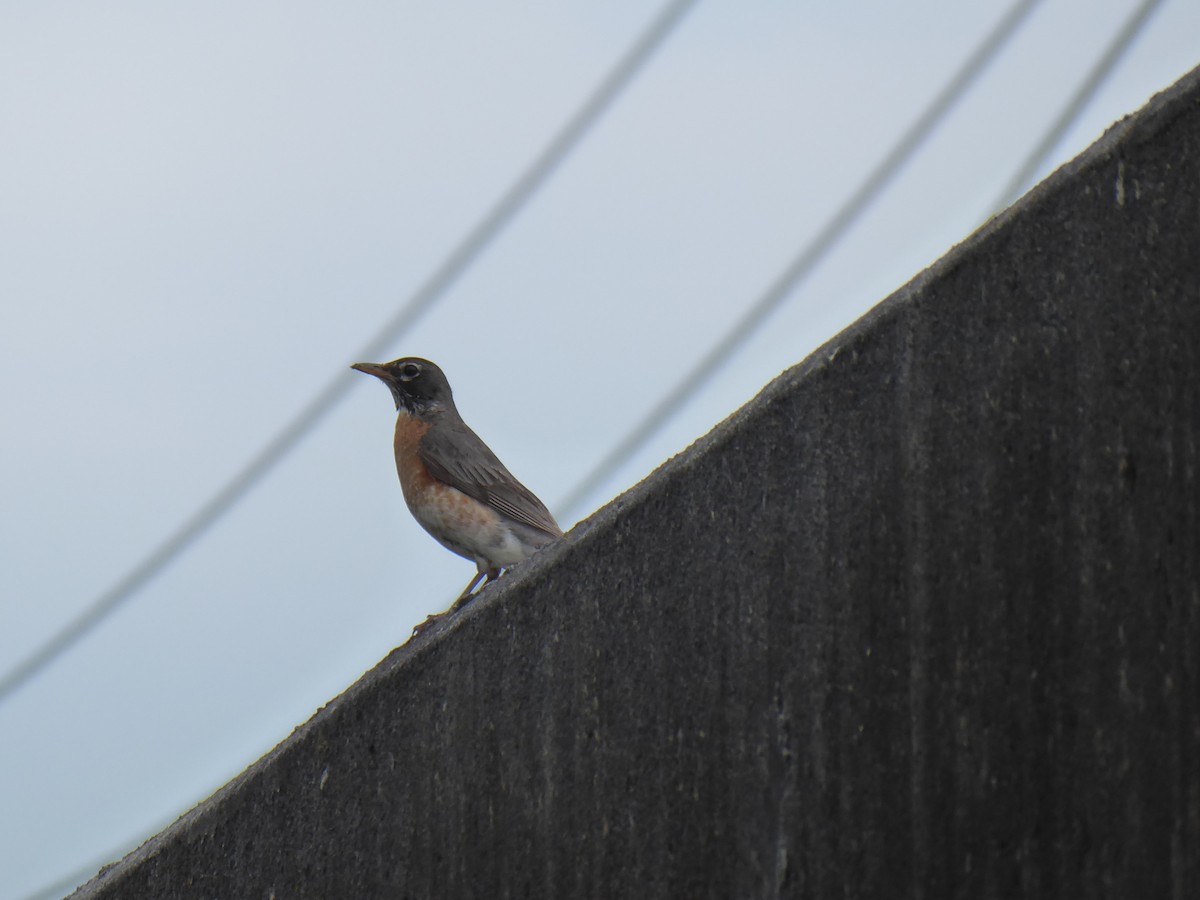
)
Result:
{"points": [[429, 620]]}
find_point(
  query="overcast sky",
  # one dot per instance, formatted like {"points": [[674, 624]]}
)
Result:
{"points": [[207, 209]]}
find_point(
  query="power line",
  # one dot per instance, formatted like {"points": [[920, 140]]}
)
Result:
{"points": [[459, 259], [1086, 91], [805, 262]]}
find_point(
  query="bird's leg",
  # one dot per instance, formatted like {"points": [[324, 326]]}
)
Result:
{"points": [[466, 596], [463, 599], [471, 586]]}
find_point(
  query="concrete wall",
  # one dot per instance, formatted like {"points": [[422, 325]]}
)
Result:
{"points": [[922, 620]]}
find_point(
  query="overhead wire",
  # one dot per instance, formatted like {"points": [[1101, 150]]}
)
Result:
{"points": [[1084, 94], [706, 368], [568, 137]]}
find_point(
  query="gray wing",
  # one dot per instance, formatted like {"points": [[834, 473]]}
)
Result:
{"points": [[454, 454]]}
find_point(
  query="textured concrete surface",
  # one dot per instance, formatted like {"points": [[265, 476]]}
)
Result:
{"points": [[922, 620]]}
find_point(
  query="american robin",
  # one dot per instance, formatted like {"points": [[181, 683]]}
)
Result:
{"points": [[454, 486]]}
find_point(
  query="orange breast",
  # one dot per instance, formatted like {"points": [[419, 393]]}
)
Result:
{"points": [[415, 479], [458, 522]]}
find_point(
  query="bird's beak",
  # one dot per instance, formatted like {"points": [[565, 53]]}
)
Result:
{"points": [[372, 369], [384, 375]]}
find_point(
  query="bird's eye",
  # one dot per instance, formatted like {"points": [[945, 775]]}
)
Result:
{"points": [[410, 371]]}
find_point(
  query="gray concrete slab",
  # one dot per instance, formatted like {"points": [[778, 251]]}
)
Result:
{"points": [[922, 620]]}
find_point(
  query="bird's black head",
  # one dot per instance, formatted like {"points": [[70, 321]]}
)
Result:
{"points": [[418, 386]]}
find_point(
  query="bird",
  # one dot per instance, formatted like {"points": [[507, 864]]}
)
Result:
{"points": [[454, 485]]}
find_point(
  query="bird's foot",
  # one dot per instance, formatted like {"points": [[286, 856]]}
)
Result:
{"points": [[464, 598], [429, 620]]}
